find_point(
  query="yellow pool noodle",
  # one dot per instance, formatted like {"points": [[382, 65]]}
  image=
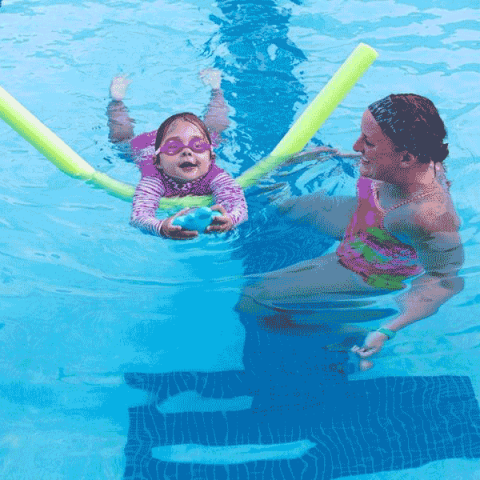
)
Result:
{"points": [[315, 114], [65, 159]]}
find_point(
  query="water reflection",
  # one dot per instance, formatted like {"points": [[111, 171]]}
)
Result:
{"points": [[290, 412]]}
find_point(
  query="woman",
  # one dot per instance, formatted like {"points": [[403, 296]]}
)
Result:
{"points": [[401, 225]]}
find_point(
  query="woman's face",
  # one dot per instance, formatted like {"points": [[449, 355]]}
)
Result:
{"points": [[186, 165], [380, 160]]}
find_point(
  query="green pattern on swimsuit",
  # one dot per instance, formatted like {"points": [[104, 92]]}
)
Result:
{"points": [[368, 253], [389, 282], [382, 235]]}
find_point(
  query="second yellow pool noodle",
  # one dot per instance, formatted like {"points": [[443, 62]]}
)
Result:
{"points": [[69, 162], [315, 114]]}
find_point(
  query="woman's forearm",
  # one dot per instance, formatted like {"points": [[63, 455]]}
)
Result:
{"points": [[425, 297]]}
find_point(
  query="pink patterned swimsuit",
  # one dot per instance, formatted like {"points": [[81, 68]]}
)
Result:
{"points": [[370, 250]]}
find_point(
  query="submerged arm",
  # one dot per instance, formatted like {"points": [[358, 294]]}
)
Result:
{"points": [[120, 125], [329, 215], [216, 119], [442, 257], [441, 254], [434, 236]]}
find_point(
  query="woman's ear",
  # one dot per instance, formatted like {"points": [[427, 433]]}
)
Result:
{"points": [[213, 156], [408, 159]]}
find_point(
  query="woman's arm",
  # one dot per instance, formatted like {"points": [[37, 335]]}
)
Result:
{"points": [[440, 251], [329, 215], [442, 257]]}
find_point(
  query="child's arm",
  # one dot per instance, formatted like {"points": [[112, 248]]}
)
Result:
{"points": [[216, 119], [119, 123], [145, 204], [230, 201]]}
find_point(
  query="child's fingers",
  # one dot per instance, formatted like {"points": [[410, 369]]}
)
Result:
{"points": [[215, 228], [219, 208], [225, 227], [187, 234], [219, 220], [180, 234]]}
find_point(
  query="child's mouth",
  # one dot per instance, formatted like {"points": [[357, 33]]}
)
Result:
{"points": [[187, 165]]}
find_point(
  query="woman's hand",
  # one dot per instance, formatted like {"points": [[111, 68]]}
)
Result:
{"points": [[118, 87], [176, 232], [220, 224], [371, 346], [313, 154]]}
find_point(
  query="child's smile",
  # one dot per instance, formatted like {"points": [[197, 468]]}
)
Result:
{"points": [[185, 154]]}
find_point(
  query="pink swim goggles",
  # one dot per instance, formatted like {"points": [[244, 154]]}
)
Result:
{"points": [[172, 147]]}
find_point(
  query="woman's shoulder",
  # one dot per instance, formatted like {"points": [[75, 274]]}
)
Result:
{"points": [[432, 213]]}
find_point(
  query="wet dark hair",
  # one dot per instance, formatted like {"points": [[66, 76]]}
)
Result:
{"points": [[413, 124], [187, 117]]}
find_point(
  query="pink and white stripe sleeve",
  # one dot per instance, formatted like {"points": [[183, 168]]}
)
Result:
{"points": [[229, 194], [145, 204]]}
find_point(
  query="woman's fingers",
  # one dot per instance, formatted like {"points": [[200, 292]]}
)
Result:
{"points": [[365, 352], [365, 365]]}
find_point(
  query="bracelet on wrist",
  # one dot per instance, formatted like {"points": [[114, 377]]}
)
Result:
{"points": [[386, 331]]}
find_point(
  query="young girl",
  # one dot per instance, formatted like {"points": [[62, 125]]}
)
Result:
{"points": [[178, 160]]}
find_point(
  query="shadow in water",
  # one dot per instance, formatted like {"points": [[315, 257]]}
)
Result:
{"points": [[292, 412]]}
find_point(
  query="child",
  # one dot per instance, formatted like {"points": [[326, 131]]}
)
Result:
{"points": [[178, 160]]}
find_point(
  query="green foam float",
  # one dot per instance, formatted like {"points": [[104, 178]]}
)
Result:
{"points": [[69, 162]]}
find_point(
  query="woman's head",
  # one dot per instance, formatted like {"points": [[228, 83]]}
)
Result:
{"points": [[413, 124], [183, 147]]}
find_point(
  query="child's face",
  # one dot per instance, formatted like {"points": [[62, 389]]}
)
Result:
{"points": [[186, 165]]}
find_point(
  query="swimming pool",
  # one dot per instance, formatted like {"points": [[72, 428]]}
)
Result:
{"points": [[87, 312]]}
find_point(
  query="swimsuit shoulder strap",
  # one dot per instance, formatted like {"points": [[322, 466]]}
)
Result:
{"points": [[404, 202]]}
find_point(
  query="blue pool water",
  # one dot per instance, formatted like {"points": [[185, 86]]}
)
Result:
{"points": [[100, 324]]}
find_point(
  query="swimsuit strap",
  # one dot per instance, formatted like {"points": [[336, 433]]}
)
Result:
{"points": [[404, 202]]}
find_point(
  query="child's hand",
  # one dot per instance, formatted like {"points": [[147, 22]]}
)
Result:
{"points": [[220, 224], [118, 87], [176, 232]]}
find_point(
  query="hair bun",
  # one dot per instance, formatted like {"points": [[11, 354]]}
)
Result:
{"points": [[442, 153]]}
